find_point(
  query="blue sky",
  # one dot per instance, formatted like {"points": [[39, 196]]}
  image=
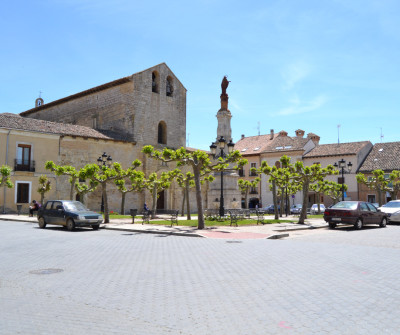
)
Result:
{"points": [[292, 64]]}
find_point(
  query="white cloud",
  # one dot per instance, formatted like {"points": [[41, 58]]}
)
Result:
{"points": [[294, 73], [301, 107]]}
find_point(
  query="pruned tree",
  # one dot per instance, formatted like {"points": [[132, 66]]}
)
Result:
{"points": [[308, 175], [81, 188], [5, 180], [64, 170], [394, 184], [103, 175], [136, 184], [156, 185], [376, 182], [335, 190], [200, 163], [245, 186], [44, 187]]}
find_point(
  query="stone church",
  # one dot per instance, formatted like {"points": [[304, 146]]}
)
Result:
{"points": [[148, 107]]}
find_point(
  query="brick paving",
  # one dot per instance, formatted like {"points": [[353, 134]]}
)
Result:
{"points": [[121, 282]]}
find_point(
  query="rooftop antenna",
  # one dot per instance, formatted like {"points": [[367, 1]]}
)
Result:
{"points": [[381, 135], [187, 141], [258, 127], [338, 127]]}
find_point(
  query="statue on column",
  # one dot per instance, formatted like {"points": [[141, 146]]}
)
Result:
{"points": [[224, 85]]}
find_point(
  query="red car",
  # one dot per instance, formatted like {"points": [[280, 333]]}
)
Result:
{"points": [[357, 213]]}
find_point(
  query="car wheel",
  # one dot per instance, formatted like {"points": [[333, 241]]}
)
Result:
{"points": [[70, 224], [383, 223], [332, 225], [42, 223], [96, 227], [358, 224]]}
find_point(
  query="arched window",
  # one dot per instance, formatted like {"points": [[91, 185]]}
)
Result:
{"points": [[155, 82], [162, 133], [169, 87]]}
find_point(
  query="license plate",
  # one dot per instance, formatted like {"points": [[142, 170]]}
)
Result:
{"points": [[335, 219]]}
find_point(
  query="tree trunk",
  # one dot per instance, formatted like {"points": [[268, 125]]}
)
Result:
{"points": [[154, 209], [41, 198], [196, 172], [71, 192], [319, 202], [123, 203], [275, 200], [104, 192], [380, 197], [282, 204], [246, 202], [183, 201], [303, 213], [187, 200]]}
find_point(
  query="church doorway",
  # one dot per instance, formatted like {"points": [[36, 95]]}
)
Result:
{"points": [[161, 200]]}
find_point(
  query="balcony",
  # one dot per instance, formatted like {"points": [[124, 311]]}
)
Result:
{"points": [[24, 165]]}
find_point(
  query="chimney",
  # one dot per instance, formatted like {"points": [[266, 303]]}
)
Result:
{"points": [[314, 137], [272, 135], [299, 133], [242, 136]]}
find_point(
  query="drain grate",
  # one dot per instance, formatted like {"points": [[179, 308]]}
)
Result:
{"points": [[233, 241], [45, 271]]}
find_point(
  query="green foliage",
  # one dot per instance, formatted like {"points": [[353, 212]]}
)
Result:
{"points": [[44, 187], [5, 173], [201, 165]]}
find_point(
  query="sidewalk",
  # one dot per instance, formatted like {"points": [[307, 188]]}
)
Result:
{"points": [[269, 231]]}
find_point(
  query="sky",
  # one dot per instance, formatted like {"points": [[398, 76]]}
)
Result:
{"points": [[330, 67]]}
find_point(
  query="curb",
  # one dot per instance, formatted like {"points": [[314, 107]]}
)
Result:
{"points": [[154, 232]]}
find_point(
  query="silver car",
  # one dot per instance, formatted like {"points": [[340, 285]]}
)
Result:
{"points": [[392, 209]]}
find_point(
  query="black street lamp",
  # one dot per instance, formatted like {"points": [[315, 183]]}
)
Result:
{"points": [[103, 160], [341, 165], [213, 147]]}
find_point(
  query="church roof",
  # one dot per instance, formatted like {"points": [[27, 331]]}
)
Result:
{"points": [[14, 121], [93, 90]]}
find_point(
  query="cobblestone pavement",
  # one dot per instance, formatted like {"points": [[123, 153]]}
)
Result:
{"points": [[116, 282]]}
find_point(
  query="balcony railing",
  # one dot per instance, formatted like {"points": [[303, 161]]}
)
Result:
{"points": [[24, 165]]}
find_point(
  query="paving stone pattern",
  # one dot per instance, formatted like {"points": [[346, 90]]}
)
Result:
{"points": [[113, 282]]}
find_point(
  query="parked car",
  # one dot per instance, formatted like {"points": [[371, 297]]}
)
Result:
{"points": [[357, 213], [270, 209], [314, 209], [296, 209], [390, 209], [68, 213]]}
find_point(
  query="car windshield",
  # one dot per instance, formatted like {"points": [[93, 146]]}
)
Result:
{"points": [[75, 206], [392, 204], [346, 204]]}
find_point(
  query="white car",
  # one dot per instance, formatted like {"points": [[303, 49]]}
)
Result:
{"points": [[392, 209], [314, 209]]}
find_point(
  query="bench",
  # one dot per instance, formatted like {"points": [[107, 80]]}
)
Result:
{"points": [[235, 216], [133, 214], [260, 217], [172, 215]]}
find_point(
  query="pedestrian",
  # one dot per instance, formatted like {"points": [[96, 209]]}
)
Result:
{"points": [[145, 207], [33, 207]]}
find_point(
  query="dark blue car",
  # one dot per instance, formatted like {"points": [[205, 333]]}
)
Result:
{"points": [[68, 213]]}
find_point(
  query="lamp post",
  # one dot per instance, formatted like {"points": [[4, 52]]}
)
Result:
{"points": [[341, 165], [103, 160], [213, 147]]}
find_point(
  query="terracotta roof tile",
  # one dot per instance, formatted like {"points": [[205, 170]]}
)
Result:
{"points": [[14, 121], [341, 149], [384, 156]]}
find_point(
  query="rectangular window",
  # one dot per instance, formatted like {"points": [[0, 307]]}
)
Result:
{"points": [[371, 198], [340, 180], [241, 172], [23, 161], [253, 165], [23, 193]]}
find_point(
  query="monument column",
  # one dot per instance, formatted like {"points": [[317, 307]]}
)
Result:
{"points": [[224, 115]]}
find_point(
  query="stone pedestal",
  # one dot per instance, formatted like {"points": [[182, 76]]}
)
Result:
{"points": [[232, 195]]}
